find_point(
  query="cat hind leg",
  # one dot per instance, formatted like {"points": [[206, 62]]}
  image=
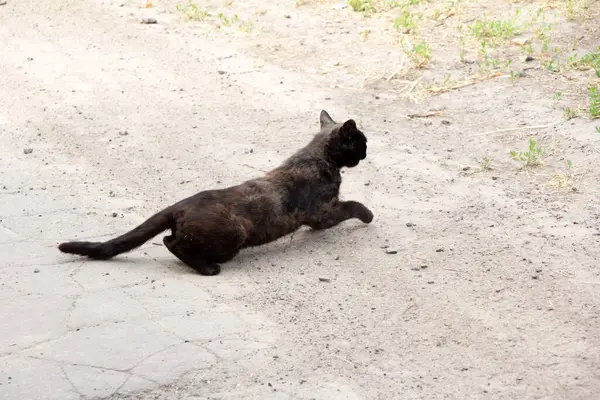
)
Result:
{"points": [[190, 256]]}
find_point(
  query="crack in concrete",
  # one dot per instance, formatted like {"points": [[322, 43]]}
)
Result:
{"points": [[68, 379]]}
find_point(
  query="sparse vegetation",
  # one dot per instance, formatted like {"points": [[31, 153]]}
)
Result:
{"points": [[529, 158], [192, 11], [569, 113], [576, 8], [485, 164], [365, 33], [493, 31], [361, 5], [587, 62], [563, 180], [557, 96], [419, 54], [594, 103], [406, 22]]}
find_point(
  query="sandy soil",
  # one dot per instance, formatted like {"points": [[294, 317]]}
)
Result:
{"points": [[478, 277]]}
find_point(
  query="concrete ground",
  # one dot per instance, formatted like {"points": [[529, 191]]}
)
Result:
{"points": [[465, 286]]}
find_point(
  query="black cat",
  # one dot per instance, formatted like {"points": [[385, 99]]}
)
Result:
{"points": [[212, 226]]}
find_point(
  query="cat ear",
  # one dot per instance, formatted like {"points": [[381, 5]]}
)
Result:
{"points": [[325, 119], [349, 125]]}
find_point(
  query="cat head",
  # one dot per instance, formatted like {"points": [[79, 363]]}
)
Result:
{"points": [[346, 144]]}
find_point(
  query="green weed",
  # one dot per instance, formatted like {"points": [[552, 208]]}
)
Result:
{"points": [[192, 11], [361, 5], [494, 30], [569, 114], [594, 100], [406, 21], [551, 66], [586, 62], [486, 164], [557, 96], [420, 54], [529, 158], [224, 20]]}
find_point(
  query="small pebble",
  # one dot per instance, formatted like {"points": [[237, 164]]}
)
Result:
{"points": [[114, 215], [535, 277], [410, 224], [430, 282], [529, 58], [36, 271], [445, 122], [123, 133], [390, 251], [323, 279], [148, 21], [439, 251], [28, 150]]}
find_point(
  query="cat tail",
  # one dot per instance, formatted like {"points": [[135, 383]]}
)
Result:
{"points": [[154, 225]]}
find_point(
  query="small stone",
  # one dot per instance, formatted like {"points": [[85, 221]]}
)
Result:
{"points": [[123, 133], [535, 277], [221, 72], [529, 58], [337, 257], [495, 178], [410, 224], [324, 279], [28, 150], [521, 41], [538, 270], [36, 271], [445, 122], [287, 16], [2, 2], [111, 194], [391, 251], [423, 266], [439, 251], [466, 168], [148, 21], [430, 282], [114, 215]]}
